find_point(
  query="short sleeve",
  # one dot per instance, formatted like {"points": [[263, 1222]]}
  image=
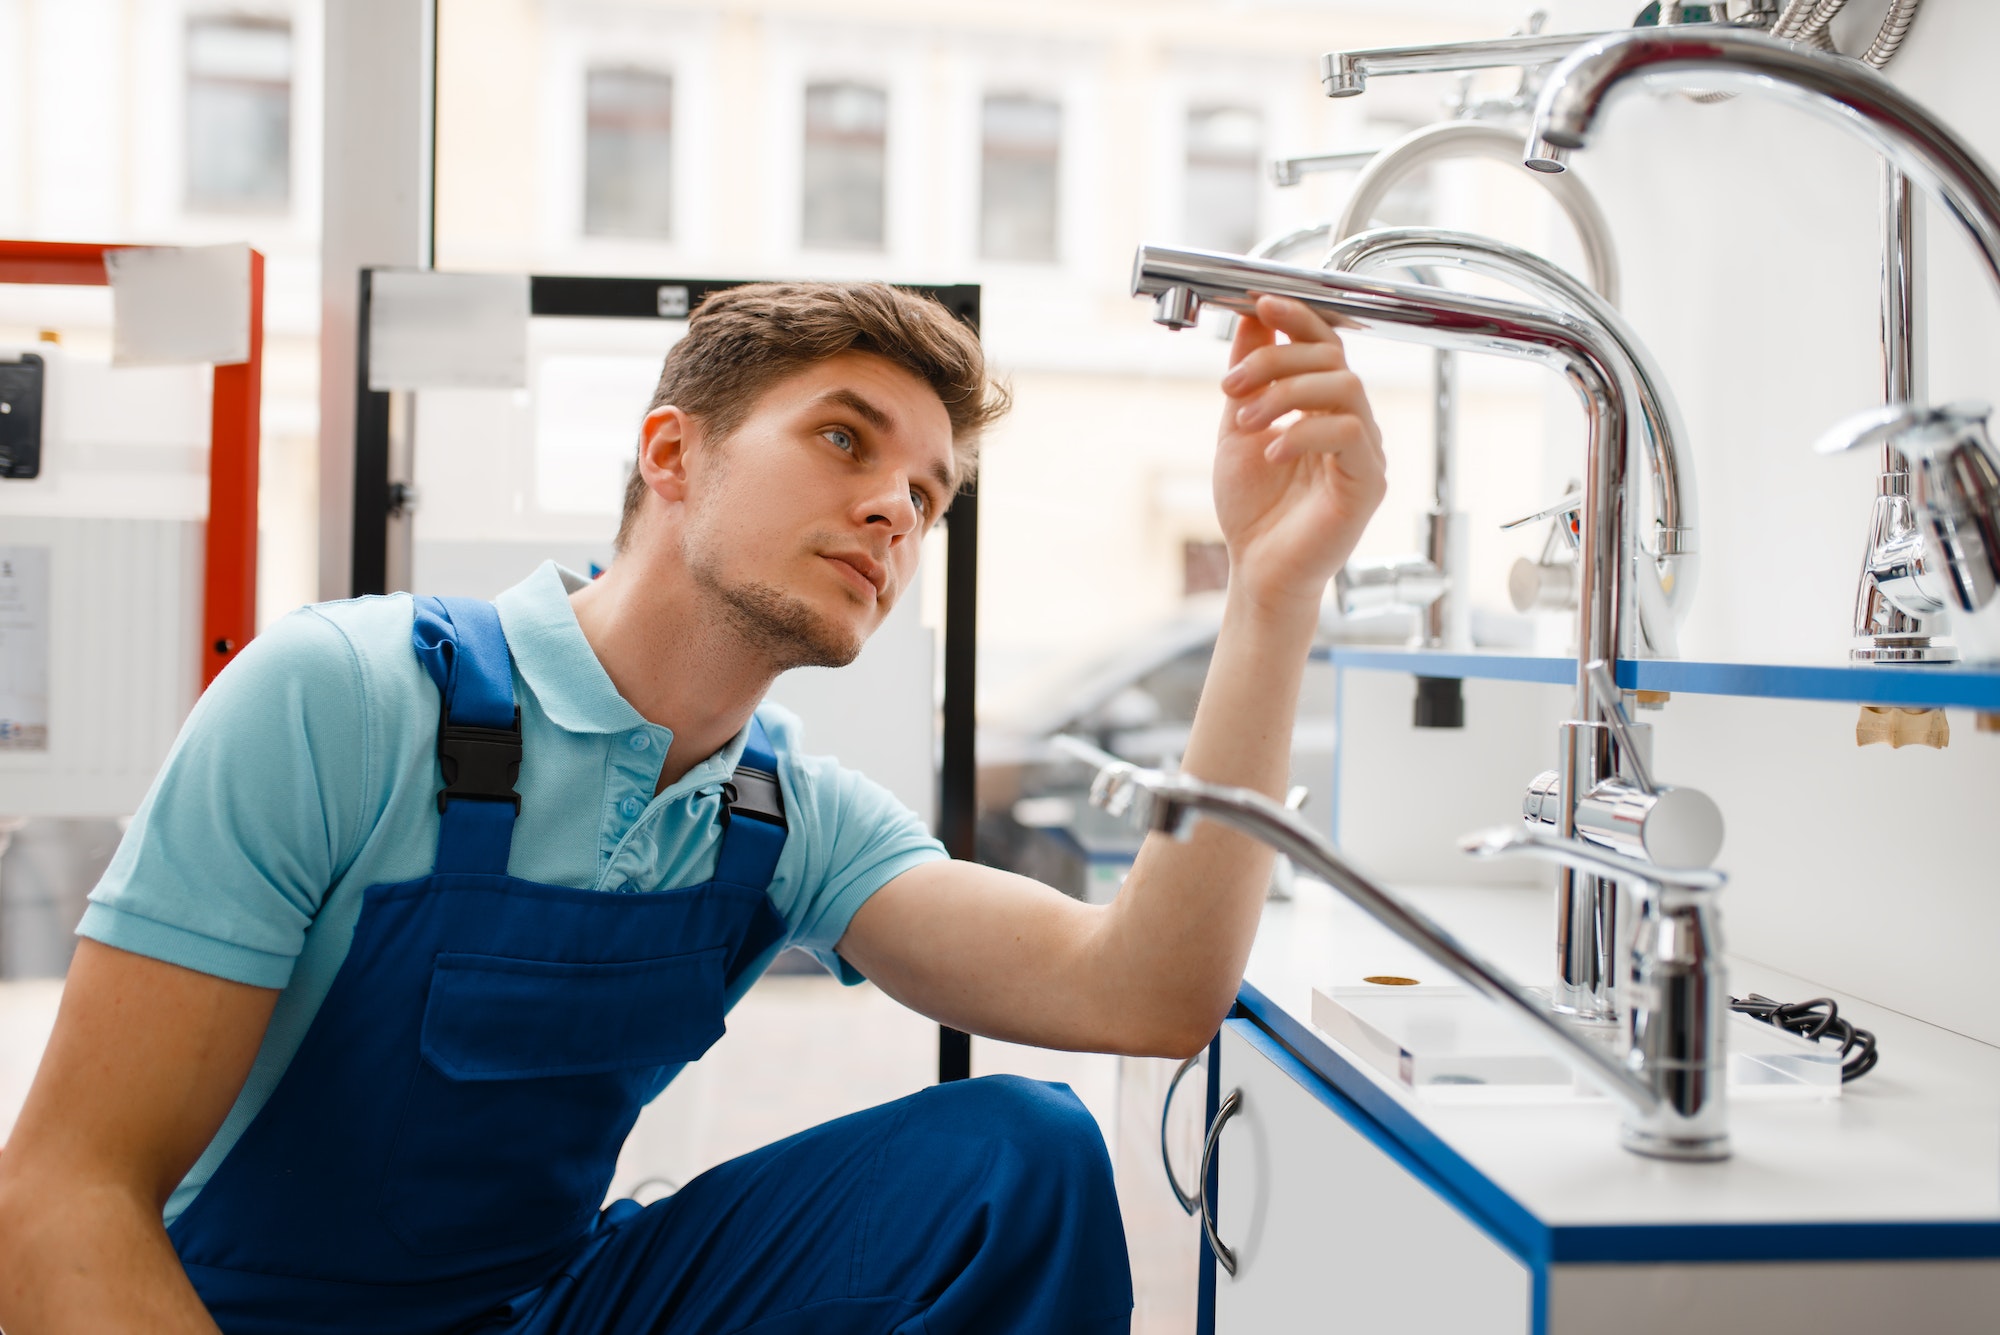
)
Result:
{"points": [[858, 838], [256, 812]]}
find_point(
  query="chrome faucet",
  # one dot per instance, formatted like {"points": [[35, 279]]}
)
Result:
{"points": [[1671, 1077], [1596, 366], [1899, 591], [1917, 145], [1346, 73], [1665, 567], [1432, 583]]}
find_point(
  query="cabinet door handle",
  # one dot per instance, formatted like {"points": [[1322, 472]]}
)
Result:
{"points": [[1189, 1202], [1231, 1105]]}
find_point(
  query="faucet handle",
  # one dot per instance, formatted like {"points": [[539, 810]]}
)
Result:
{"points": [[1568, 506], [1955, 486], [1876, 426]]}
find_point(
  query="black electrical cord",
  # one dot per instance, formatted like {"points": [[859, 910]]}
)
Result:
{"points": [[1815, 1019]]}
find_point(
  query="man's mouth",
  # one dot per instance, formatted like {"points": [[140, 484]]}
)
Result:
{"points": [[863, 573]]}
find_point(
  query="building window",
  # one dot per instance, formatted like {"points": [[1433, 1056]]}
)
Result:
{"points": [[1020, 151], [628, 153], [239, 113], [846, 167], [1224, 154]]}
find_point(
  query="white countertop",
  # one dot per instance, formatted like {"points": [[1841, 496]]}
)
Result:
{"points": [[1917, 1139]]}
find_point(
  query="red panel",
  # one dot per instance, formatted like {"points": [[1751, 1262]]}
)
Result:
{"points": [[229, 591], [229, 604], [56, 262]]}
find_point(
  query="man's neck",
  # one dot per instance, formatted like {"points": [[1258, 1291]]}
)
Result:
{"points": [[672, 658]]}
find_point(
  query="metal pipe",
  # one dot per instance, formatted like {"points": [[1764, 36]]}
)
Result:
{"points": [[1290, 171], [1663, 594], [1346, 73], [1456, 141], [1829, 86]]}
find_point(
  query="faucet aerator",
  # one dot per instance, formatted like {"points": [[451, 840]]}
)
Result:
{"points": [[1177, 308]]}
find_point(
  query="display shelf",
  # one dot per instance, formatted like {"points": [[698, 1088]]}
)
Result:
{"points": [[1911, 686]]}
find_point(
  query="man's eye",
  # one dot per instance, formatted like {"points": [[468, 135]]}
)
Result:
{"points": [[842, 440], [921, 501]]}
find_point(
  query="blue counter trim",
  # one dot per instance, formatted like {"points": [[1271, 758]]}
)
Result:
{"points": [[1910, 686], [1404, 1137]]}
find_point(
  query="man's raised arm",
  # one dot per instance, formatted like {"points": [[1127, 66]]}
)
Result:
{"points": [[144, 1064], [1156, 970]]}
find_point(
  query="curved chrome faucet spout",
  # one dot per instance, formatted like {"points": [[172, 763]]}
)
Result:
{"points": [[1830, 86]]}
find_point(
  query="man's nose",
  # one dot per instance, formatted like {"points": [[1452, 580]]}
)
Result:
{"points": [[894, 508]]}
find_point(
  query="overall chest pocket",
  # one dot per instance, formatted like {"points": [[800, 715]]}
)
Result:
{"points": [[531, 1075]]}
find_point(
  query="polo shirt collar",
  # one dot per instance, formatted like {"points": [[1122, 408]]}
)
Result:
{"points": [[559, 666]]}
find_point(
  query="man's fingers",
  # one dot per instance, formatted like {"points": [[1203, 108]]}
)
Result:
{"points": [[1250, 373], [1313, 392], [1251, 334], [1295, 320]]}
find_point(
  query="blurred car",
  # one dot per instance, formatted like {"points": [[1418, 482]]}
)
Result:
{"points": [[1138, 703]]}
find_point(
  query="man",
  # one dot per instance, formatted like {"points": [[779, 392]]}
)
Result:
{"points": [[432, 896]]}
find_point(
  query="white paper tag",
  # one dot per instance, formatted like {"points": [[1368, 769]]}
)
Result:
{"points": [[431, 330], [176, 305]]}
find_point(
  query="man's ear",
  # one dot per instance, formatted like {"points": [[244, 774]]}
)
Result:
{"points": [[666, 440]]}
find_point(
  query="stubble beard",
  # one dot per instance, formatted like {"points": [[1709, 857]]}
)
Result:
{"points": [[780, 626]]}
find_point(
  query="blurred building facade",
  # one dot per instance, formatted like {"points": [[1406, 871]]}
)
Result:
{"points": [[1026, 146]]}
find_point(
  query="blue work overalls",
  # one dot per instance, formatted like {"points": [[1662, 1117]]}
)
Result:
{"points": [[435, 1155]]}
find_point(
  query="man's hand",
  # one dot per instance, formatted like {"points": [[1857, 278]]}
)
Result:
{"points": [[1293, 495]]}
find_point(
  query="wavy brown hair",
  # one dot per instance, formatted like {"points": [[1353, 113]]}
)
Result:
{"points": [[743, 340]]}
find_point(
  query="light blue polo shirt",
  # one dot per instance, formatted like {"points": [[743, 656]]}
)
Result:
{"points": [[308, 772]]}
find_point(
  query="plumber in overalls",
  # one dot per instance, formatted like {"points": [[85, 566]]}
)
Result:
{"points": [[433, 895]]}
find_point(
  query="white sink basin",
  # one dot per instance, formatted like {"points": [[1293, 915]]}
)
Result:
{"points": [[1448, 1044]]}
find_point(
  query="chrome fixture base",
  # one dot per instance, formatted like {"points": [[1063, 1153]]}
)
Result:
{"points": [[1909, 651], [1687, 1149]]}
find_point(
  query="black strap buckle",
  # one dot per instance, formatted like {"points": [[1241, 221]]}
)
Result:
{"points": [[755, 793], [480, 762]]}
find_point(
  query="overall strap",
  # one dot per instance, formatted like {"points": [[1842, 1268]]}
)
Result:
{"points": [[753, 815], [459, 641]]}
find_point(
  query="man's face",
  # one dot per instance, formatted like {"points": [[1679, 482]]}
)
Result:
{"points": [[805, 523]]}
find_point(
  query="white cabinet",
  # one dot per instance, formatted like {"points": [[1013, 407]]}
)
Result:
{"points": [[1329, 1232]]}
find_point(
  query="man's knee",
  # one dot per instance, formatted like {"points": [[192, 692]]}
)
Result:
{"points": [[1043, 1125]]}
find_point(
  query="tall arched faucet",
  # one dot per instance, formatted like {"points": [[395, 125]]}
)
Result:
{"points": [[1439, 570], [1594, 766], [1955, 484], [1664, 568]]}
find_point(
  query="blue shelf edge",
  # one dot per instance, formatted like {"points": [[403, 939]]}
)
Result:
{"points": [[1910, 687]]}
